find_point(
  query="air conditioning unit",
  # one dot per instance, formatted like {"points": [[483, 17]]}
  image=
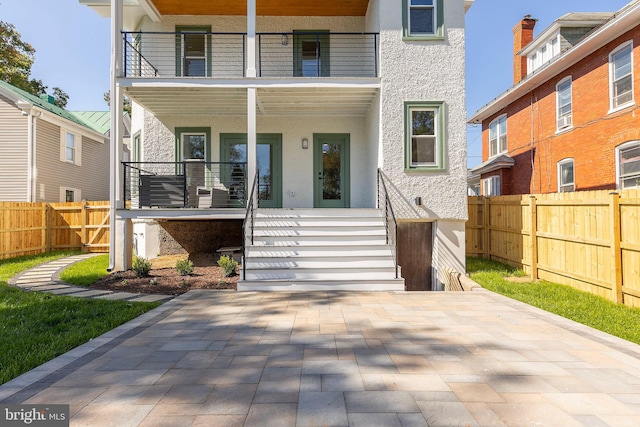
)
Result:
{"points": [[564, 121]]}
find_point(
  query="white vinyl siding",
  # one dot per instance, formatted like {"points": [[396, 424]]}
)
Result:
{"points": [[621, 76], [13, 152], [498, 136], [92, 178], [566, 176], [564, 104]]}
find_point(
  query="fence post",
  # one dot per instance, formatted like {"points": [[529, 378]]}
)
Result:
{"points": [[534, 238], [48, 224], [485, 227], [84, 238], [616, 252]]}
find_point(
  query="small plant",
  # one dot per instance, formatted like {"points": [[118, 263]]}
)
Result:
{"points": [[153, 282], [116, 275], [183, 283], [184, 267], [141, 266], [228, 265], [125, 282]]}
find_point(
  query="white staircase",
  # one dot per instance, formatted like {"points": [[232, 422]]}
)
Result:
{"points": [[319, 249]]}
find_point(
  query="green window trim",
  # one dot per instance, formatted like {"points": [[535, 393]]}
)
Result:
{"points": [[439, 24], [179, 57], [322, 37], [440, 144], [179, 147]]}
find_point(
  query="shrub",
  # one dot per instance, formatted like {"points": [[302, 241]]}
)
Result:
{"points": [[153, 282], [141, 266], [228, 265], [184, 267]]}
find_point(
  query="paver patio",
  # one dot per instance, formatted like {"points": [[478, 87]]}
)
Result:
{"points": [[335, 359]]}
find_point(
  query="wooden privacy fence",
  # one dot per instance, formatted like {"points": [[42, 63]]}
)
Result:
{"points": [[34, 228], [589, 240]]}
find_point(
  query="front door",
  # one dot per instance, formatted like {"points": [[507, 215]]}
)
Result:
{"points": [[331, 170], [311, 54], [269, 158]]}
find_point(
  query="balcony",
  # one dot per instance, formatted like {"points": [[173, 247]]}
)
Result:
{"points": [[188, 184], [304, 54]]}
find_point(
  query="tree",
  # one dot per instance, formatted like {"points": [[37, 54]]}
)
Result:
{"points": [[126, 102], [16, 59]]}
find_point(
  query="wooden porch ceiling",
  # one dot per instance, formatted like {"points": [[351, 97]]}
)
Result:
{"points": [[264, 7]]}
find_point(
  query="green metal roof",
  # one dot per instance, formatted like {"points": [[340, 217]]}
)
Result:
{"points": [[75, 117], [100, 120]]}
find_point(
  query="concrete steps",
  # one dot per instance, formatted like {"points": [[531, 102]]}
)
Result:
{"points": [[319, 249]]}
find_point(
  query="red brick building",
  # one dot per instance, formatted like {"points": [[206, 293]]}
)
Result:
{"points": [[571, 121]]}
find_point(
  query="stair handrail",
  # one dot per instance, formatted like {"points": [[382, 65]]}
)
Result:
{"points": [[247, 225], [389, 217]]}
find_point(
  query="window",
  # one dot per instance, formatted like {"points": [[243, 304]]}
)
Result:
{"points": [[136, 148], [423, 19], [498, 136], [69, 194], [193, 144], [193, 51], [424, 136], [566, 180], [311, 54], [621, 76], [563, 102], [628, 165], [70, 147], [544, 54], [491, 186]]}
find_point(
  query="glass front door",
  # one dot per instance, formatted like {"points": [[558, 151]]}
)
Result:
{"points": [[331, 170], [269, 164]]}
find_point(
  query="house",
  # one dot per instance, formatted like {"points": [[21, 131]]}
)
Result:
{"points": [[325, 139], [49, 154], [570, 122]]}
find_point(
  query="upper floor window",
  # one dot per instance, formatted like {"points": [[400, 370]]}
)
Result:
{"points": [[544, 54], [498, 136], [566, 180], [564, 104], [628, 165], [491, 186], [423, 19], [621, 76], [424, 136], [70, 147], [193, 51]]}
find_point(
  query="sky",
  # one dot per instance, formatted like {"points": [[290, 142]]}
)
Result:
{"points": [[72, 47]]}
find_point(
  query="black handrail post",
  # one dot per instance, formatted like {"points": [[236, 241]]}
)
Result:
{"points": [[318, 55], [259, 55], [375, 54], [184, 179], [249, 218], [124, 53]]}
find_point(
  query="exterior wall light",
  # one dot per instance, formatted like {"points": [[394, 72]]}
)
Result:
{"points": [[284, 40], [305, 143]]}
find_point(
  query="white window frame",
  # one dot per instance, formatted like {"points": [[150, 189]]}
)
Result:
{"points": [[619, 178], [76, 194], [566, 187], [183, 142], [77, 149], [491, 186], [544, 54], [501, 125], [564, 121], [612, 80]]}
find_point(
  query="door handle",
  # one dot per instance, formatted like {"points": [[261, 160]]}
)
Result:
{"points": [[320, 175]]}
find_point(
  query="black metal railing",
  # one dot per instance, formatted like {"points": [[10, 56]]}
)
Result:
{"points": [[249, 221], [223, 55], [391, 224], [187, 184]]}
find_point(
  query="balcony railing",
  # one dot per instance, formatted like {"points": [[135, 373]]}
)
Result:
{"points": [[188, 184], [222, 55]]}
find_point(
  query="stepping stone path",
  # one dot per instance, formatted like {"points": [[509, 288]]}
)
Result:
{"points": [[46, 278]]}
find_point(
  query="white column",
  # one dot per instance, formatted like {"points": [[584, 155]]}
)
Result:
{"points": [[252, 137], [251, 38], [120, 244]]}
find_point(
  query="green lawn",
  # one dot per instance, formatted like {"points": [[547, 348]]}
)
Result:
{"points": [[583, 307], [36, 327], [87, 272]]}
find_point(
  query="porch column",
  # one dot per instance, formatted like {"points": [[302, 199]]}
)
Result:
{"points": [[120, 246], [252, 138], [251, 38]]}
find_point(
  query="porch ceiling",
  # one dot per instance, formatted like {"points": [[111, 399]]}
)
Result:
{"points": [[264, 7], [311, 101]]}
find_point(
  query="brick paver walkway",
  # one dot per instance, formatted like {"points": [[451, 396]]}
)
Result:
{"points": [[361, 359]]}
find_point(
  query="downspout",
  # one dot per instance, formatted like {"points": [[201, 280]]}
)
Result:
{"points": [[30, 139], [33, 166]]}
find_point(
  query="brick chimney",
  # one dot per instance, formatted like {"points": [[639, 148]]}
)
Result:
{"points": [[522, 36]]}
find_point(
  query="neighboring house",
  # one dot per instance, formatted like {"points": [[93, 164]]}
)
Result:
{"points": [[571, 121], [300, 104], [49, 154]]}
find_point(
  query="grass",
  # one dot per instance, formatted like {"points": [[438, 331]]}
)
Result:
{"points": [[87, 272], [36, 327], [582, 307]]}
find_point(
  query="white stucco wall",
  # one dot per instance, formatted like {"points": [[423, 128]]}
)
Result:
{"points": [[448, 249], [424, 71]]}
